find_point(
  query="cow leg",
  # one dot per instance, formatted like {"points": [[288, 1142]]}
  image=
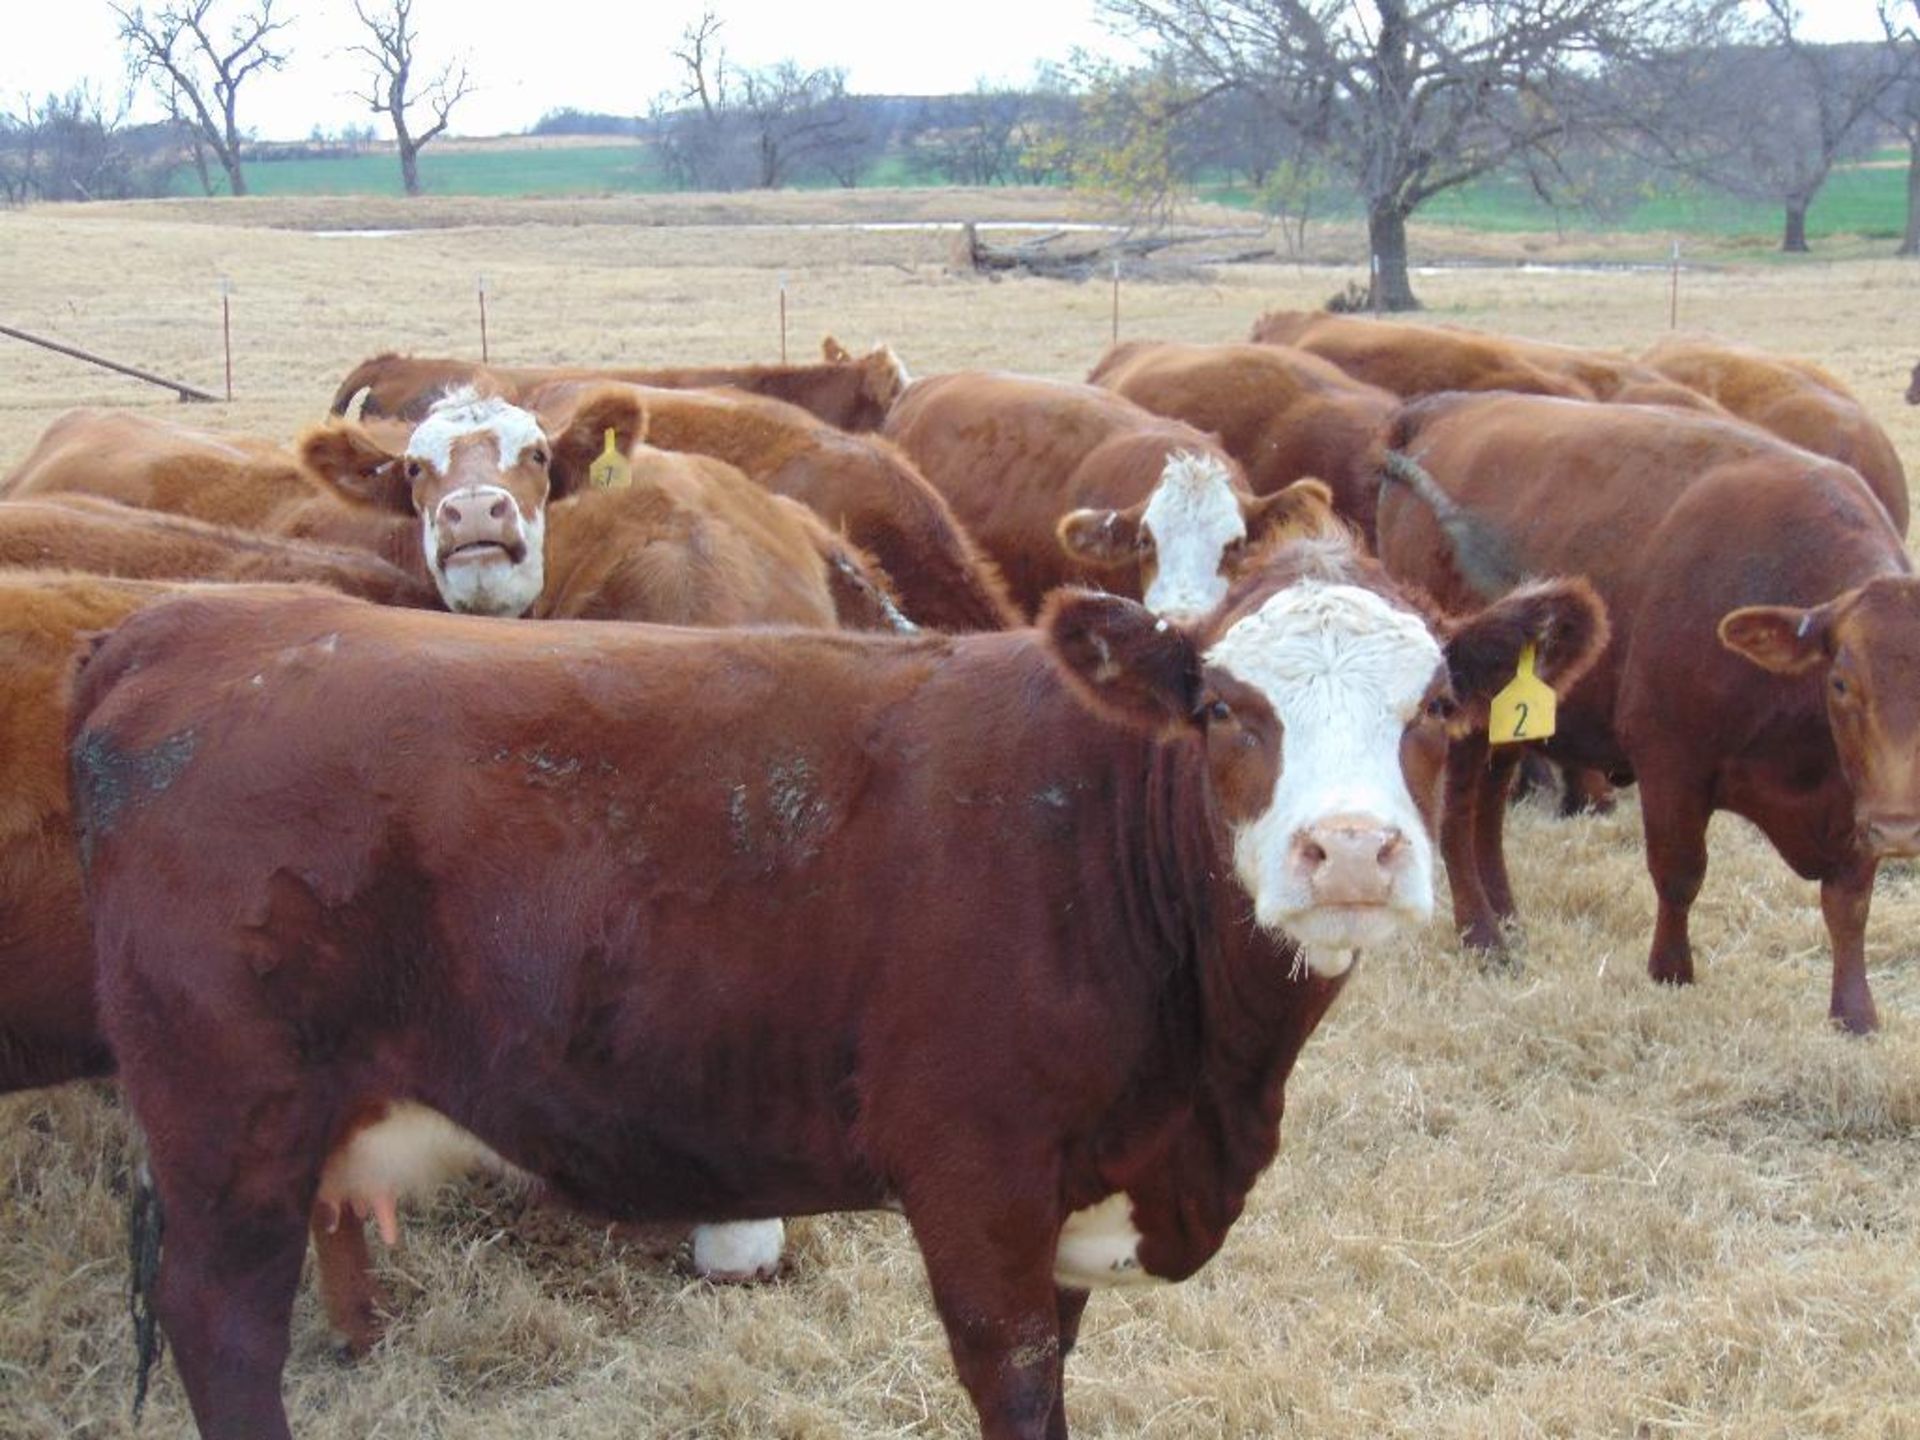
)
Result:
{"points": [[343, 1274], [1489, 831], [1844, 901], [225, 1299], [1584, 792], [1674, 814], [1071, 1305], [990, 1265], [1472, 914]]}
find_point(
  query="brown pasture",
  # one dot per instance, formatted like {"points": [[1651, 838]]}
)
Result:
{"points": [[1552, 1203]]}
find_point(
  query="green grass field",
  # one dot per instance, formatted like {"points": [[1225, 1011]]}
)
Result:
{"points": [[1867, 200]]}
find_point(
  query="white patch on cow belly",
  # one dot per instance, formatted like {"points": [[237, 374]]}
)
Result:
{"points": [[409, 1153], [1100, 1248], [743, 1250]]}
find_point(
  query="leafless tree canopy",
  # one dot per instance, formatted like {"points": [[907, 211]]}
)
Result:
{"points": [[1408, 98], [392, 88], [197, 62]]}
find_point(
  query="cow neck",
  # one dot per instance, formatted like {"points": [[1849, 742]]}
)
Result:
{"points": [[1234, 1009]]}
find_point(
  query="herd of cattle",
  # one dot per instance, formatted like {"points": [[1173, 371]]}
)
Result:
{"points": [[1003, 785]]}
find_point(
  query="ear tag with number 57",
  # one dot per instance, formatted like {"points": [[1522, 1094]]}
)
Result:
{"points": [[610, 470], [1524, 709]]}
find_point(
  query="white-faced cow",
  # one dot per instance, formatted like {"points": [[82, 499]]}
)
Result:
{"points": [[1018, 932]]}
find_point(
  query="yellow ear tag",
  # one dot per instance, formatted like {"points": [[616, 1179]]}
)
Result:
{"points": [[1524, 709], [610, 470]]}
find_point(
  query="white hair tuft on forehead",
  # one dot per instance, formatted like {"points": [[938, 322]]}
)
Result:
{"points": [[464, 411], [1193, 515]]}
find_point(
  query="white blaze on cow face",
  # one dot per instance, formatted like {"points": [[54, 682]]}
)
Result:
{"points": [[1340, 858], [1193, 515], [479, 474]]}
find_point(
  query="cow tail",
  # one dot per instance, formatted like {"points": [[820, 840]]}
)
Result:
{"points": [[871, 596], [145, 1223], [1484, 559]]}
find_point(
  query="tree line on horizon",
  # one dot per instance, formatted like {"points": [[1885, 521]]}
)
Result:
{"points": [[1308, 106]]}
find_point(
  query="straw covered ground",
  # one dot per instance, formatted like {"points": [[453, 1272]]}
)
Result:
{"points": [[1557, 1203]]}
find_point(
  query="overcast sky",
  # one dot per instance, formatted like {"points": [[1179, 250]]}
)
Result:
{"points": [[528, 58]]}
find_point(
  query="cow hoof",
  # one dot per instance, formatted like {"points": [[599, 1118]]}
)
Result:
{"points": [[744, 1253]]}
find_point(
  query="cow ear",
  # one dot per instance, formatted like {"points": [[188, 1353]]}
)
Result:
{"points": [[1781, 638], [580, 437], [833, 352], [348, 456], [1564, 620], [1102, 539], [1302, 510], [1122, 660]]}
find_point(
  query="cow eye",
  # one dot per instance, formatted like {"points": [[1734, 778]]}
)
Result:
{"points": [[539, 455], [1839, 686], [1215, 712], [413, 469], [1144, 542]]}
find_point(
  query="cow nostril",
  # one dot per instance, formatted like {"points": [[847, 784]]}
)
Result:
{"points": [[497, 510], [1391, 851], [450, 513], [1312, 853]]}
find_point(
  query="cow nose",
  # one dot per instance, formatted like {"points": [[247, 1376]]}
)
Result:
{"points": [[1890, 835], [477, 517], [1350, 861]]}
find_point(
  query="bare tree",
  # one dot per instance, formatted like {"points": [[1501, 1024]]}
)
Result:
{"points": [[1780, 113], [197, 67], [71, 147], [390, 87], [796, 117], [1900, 105], [1406, 99]]}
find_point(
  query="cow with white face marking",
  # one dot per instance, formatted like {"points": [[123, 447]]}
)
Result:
{"points": [[474, 477], [1070, 484], [690, 997]]}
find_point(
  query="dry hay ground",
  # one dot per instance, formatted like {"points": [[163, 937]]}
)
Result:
{"points": [[1561, 1203]]}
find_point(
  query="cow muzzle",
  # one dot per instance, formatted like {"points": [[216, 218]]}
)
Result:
{"points": [[478, 526], [1353, 881]]}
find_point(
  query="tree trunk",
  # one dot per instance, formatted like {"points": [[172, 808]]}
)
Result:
{"points": [[236, 178], [410, 168], [1794, 241], [1387, 237], [1910, 242]]}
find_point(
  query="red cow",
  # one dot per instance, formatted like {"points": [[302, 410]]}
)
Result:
{"points": [[861, 485], [1766, 642], [1282, 413], [599, 900], [1065, 484], [847, 393], [98, 537], [1796, 400]]}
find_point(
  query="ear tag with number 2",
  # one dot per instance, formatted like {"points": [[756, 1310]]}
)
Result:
{"points": [[1524, 709], [610, 470]]}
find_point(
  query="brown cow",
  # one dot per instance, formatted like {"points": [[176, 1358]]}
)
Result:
{"points": [[847, 393], [1282, 413], [1766, 642], [661, 976], [1412, 360], [861, 485], [460, 499], [99, 537], [1796, 400], [1065, 484]]}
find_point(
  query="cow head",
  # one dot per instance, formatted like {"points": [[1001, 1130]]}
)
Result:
{"points": [[478, 472], [883, 380], [1865, 644], [1191, 537], [1322, 698]]}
